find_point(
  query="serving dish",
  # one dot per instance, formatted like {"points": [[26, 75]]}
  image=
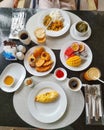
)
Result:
{"points": [[18, 72], [32, 70], [86, 61], [47, 112]]}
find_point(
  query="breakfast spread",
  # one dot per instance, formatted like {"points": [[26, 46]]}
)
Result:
{"points": [[75, 53], [54, 21], [47, 97], [40, 59]]}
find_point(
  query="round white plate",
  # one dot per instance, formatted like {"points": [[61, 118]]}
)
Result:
{"points": [[75, 105], [66, 18], [76, 37], [18, 72], [47, 112], [32, 70], [84, 65]]}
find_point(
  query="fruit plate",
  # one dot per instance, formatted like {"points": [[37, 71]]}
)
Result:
{"points": [[32, 70], [86, 61], [47, 112]]}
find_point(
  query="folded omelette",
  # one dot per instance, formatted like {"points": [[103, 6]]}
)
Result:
{"points": [[47, 97]]}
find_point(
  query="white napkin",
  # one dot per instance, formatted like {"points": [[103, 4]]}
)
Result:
{"points": [[93, 101]]}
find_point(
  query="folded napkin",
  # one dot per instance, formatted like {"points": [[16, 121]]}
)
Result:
{"points": [[90, 101]]}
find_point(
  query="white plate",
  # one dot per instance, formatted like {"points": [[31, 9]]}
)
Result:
{"points": [[84, 65], [76, 37], [18, 72], [47, 112], [75, 105], [30, 23], [32, 70], [66, 18], [51, 42]]}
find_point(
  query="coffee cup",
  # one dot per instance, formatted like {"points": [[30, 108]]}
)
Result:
{"points": [[74, 84], [81, 28], [24, 37]]}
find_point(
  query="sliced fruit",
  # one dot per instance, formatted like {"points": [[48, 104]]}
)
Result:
{"points": [[69, 51], [75, 46], [81, 47], [74, 61]]}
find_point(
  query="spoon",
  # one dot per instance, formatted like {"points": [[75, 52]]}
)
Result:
{"points": [[101, 81]]}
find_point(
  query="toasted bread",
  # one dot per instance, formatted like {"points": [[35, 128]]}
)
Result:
{"points": [[40, 35]]}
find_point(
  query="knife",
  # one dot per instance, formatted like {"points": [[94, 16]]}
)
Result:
{"points": [[87, 104]]}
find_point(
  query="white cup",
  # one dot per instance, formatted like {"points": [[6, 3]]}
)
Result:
{"points": [[74, 84], [24, 37], [81, 28]]}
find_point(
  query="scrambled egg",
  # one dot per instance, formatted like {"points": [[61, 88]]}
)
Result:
{"points": [[47, 97]]}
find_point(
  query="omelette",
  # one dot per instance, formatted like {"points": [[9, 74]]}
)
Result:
{"points": [[47, 97]]}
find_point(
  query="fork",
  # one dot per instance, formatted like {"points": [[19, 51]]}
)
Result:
{"points": [[93, 94]]}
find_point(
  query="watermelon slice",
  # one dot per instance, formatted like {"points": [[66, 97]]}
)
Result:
{"points": [[69, 52]]}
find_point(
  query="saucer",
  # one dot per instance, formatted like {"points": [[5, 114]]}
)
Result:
{"points": [[79, 38]]}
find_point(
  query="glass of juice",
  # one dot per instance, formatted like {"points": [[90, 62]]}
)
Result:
{"points": [[92, 73]]}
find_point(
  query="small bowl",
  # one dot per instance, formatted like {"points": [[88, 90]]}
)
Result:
{"points": [[81, 28], [60, 74], [29, 82], [8, 80]]}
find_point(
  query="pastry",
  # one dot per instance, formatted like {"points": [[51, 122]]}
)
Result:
{"points": [[45, 55], [40, 62], [43, 68], [47, 63], [37, 52]]}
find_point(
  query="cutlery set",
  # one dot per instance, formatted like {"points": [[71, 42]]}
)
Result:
{"points": [[18, 23], [93, 104]]}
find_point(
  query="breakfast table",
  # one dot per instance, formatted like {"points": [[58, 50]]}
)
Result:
{"points": [[13, 105]]}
